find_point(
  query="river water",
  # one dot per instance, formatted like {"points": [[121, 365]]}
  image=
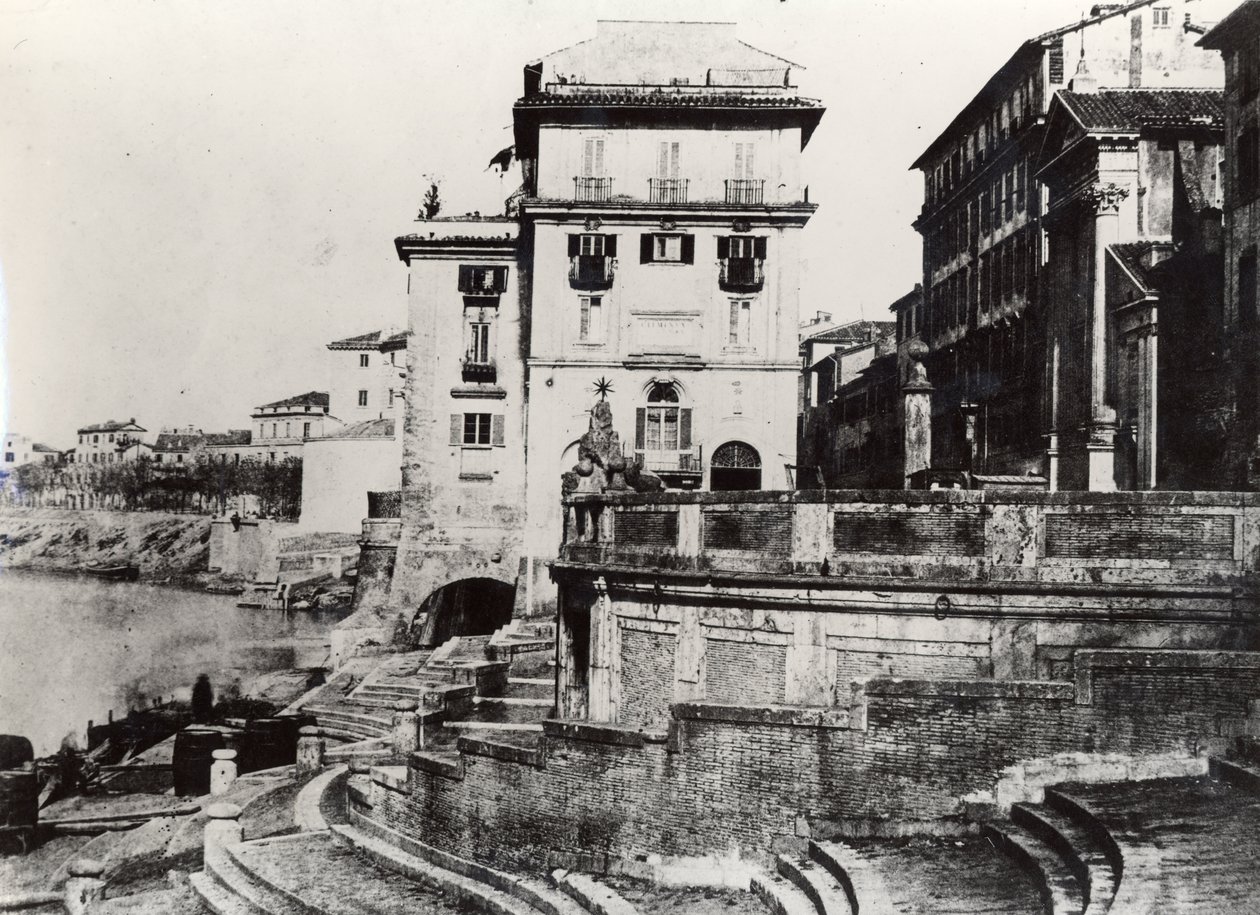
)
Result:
{"points": [[72, 648]]}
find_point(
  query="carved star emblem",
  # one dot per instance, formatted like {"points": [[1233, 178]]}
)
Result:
{"points": [[603, 388]]}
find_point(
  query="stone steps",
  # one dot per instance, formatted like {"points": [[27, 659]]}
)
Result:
{"points": [[496, 890], [818, 884], [861, 884], [343, 721], [1062, 892], [781, 896], [1078, 844], [311, 874]]}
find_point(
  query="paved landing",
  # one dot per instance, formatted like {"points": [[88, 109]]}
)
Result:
{"points": [[949, 876], [1190, 845]]}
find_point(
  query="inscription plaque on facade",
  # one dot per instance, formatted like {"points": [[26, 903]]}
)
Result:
{"points": [[666, 333]]}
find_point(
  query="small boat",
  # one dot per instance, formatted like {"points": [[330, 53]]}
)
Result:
{"points": [[116, 571]]}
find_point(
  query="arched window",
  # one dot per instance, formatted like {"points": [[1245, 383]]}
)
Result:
{"points": [[735, 465], [662, 436]]}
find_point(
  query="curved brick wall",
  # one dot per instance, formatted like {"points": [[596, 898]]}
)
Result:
{"points": [[724, 778]]}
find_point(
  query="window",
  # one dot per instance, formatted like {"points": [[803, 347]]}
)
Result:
{"points": [[593, 157], [591, 245], [738, 333], [476, 428], [9, 457], [1162, 16], [274, 426], [261, 432], [1247, 161], [479, 343], [287, 427], [306, 430], [745, 160], [363, 360], [363, 398], [667, 248], [591, 328], [473, 429], [482, 280], [96, 439], [667, 161]]}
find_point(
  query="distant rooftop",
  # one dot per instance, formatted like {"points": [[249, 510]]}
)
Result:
{"points": [[630, 53], [372, 428], [377, 339], [309, 399], [854, 332], [1131, 110], [230, 437], [177, 441], [113, 425]]}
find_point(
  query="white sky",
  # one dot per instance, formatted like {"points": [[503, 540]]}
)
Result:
{"points": [[195, 197]]}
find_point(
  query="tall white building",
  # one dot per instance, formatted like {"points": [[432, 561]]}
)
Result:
{"points": [[653, 259]]}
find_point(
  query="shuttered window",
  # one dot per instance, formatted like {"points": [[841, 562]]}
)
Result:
{"points": [[593, 158], [667, 248], [739, 333], [591, 328], [477, 429], [667, 161]]}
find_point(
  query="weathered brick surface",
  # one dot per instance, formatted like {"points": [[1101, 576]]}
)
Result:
{"points": [[743, 673], [729, 780], [647, 528], [767, 532], [1151, 536], [909, 534], [857, 665], [647, 676]]}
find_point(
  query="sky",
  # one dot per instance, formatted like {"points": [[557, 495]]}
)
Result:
{"points": [[196, 197]]}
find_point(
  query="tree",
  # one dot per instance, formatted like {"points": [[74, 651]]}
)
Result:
{"points": [[432, 204]]}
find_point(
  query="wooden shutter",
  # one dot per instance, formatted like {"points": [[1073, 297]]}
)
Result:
{"points": [[465, 278], [724, 244], [684, 428], [610, 245], [733, 329], [739, 160], [575, 242], [640, 426], [662, 161], [759, 247], [500, 279], [645, 248], [457, 428], [496, 430], [688, 249], [584, 323]]}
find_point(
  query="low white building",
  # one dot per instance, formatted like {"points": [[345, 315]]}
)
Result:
{"points": [[112, 441], [281, 428], [341, 468], [21, 449]]}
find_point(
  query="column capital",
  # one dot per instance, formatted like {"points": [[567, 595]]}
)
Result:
{"points": [[1105, 197]]}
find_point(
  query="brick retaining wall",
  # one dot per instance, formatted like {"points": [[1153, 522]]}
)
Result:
{"points": [[725, 777]]}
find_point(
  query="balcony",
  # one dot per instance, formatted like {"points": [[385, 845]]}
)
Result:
{"points": [[479, 370], [592, 190], [667, 190], [681, 469], [741, 274], [745, 191], [482, 281], [591, 271]]}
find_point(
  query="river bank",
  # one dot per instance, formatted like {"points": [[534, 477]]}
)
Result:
{"points": [[167, 546]]}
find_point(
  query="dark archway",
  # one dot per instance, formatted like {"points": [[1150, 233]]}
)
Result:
{"points": [[735, 466], [471, 606]]}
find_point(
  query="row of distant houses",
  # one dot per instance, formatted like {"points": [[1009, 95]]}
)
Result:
{"points": [[347, 435]]}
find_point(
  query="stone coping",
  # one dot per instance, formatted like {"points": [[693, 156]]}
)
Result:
{"points": [[787, 715], [973, 689], [1161, 499], [602, 732]]}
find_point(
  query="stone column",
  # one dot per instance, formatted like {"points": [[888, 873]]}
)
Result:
{"points": [[85, 886], [223, 829], [405, 732], [603, 700], [222, 771], [917, 427], [1148, 409], [310, 752], [1101, 447]]}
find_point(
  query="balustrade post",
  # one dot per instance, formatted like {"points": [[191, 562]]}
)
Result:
{"points": [[223, 771], [310, 751], [405, 731], [223, 829], [85, 886]]}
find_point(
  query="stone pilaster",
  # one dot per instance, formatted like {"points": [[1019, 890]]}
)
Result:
{"points": [[1105, 199]]}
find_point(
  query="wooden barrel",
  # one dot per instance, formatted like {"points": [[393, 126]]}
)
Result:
{"points": [[19, 808], [271, 742], [194, 754], [15, 751]]}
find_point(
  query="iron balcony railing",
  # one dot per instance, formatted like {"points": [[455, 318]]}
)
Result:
{"points": [[592, 190], [745, 190], [478, 369], [667, 190], [742, 273], [591, 271], [478, 281], [687, 461]]}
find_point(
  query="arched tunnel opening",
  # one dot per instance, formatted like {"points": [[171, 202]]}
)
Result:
{"points": [[471, 606]]}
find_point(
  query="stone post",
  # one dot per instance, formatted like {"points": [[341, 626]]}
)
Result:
{"points": [[310, 752], [85, 885], [917, 427], [1101, 447], [406, 736], [222, 771], [223, 829]]}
